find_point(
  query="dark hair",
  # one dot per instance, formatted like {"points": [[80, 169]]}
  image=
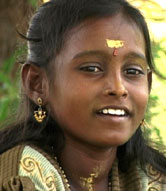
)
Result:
{"points": [[46, 35]]}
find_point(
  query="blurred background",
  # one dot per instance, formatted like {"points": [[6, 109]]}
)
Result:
{"points": [[14, 15]]}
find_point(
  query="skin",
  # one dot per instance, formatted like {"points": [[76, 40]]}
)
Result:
{"points": [[88, 78]]}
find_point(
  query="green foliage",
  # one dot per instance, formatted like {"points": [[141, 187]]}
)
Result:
{"points": [[154, 100], [34, 3], [149, 113], [151, 129], [159, 53], [9, 79], [9, 84]]}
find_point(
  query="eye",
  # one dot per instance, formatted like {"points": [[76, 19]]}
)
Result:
{"points": [[93, 69], [134, 72]]}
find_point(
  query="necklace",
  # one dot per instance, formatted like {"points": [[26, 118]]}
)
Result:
{"points": [[66, 182]]}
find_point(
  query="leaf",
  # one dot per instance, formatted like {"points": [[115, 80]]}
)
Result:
{"points": [[33, 3], [150, 9], [4, 104]]}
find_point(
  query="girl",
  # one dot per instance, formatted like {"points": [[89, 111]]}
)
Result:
{"points": [[86, 85]]}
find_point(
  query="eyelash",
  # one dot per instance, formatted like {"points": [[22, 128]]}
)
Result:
{"points": [[135, 70], [97, 69], [93, 69]]}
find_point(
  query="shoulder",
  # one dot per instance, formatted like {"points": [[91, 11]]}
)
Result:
{"points": [[137, 179], [9, 162], [35, 165], [152, 179]]}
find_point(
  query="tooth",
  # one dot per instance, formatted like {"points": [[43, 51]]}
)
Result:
{"points": [[111, 111], [118, 112], [105, 111], [123, 112]]}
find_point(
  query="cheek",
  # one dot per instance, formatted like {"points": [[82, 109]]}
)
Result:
{"points": [[139, 95], [70, 101], [143, 97], [141, 101]]}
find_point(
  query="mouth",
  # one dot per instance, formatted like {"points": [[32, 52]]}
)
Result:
{"points": [[114, 111]]}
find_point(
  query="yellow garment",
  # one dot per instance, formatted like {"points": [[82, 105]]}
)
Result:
{"points": [[27, 168], [42, 173]]}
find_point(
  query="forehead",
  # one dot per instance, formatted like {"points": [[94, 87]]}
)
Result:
{"points": [[94, 33]]}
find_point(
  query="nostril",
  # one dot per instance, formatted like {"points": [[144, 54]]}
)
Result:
{"points": [[109, 92], [115, 86], [116, 92], [125, 93], [112, 93]]}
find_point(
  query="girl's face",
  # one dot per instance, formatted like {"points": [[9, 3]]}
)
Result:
{"points": [[97, 98]]}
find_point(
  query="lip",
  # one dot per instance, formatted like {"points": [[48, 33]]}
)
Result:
{"points": [[120, 107]]}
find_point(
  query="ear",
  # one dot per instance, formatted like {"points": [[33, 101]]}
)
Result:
{"points": [[149, 80], [35, 82]]}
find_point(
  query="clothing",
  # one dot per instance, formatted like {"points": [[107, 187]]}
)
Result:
{"points": [[27, 168]]}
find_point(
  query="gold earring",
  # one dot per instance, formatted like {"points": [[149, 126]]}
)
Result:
{"points": [[39, 114]]}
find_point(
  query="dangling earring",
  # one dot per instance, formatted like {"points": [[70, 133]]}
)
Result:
{"points": [[39, 114], [144, 126]]}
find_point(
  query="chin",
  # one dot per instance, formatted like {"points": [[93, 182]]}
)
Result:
{"points": [[115, 141], [103, 144]]}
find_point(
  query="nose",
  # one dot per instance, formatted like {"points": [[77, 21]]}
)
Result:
{"points": [[115, 86]]}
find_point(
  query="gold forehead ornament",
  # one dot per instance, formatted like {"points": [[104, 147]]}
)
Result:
{"points": [[115, 44]]}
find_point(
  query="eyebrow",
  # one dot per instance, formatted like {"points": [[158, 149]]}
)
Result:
{"points": [[98, 53], [136, 55], [104, 54]]}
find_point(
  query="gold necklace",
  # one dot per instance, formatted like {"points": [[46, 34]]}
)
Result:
{"points": [[66, 182]]}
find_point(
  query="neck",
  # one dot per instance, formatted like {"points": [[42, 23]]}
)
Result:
{"points": [[87, 168]]}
